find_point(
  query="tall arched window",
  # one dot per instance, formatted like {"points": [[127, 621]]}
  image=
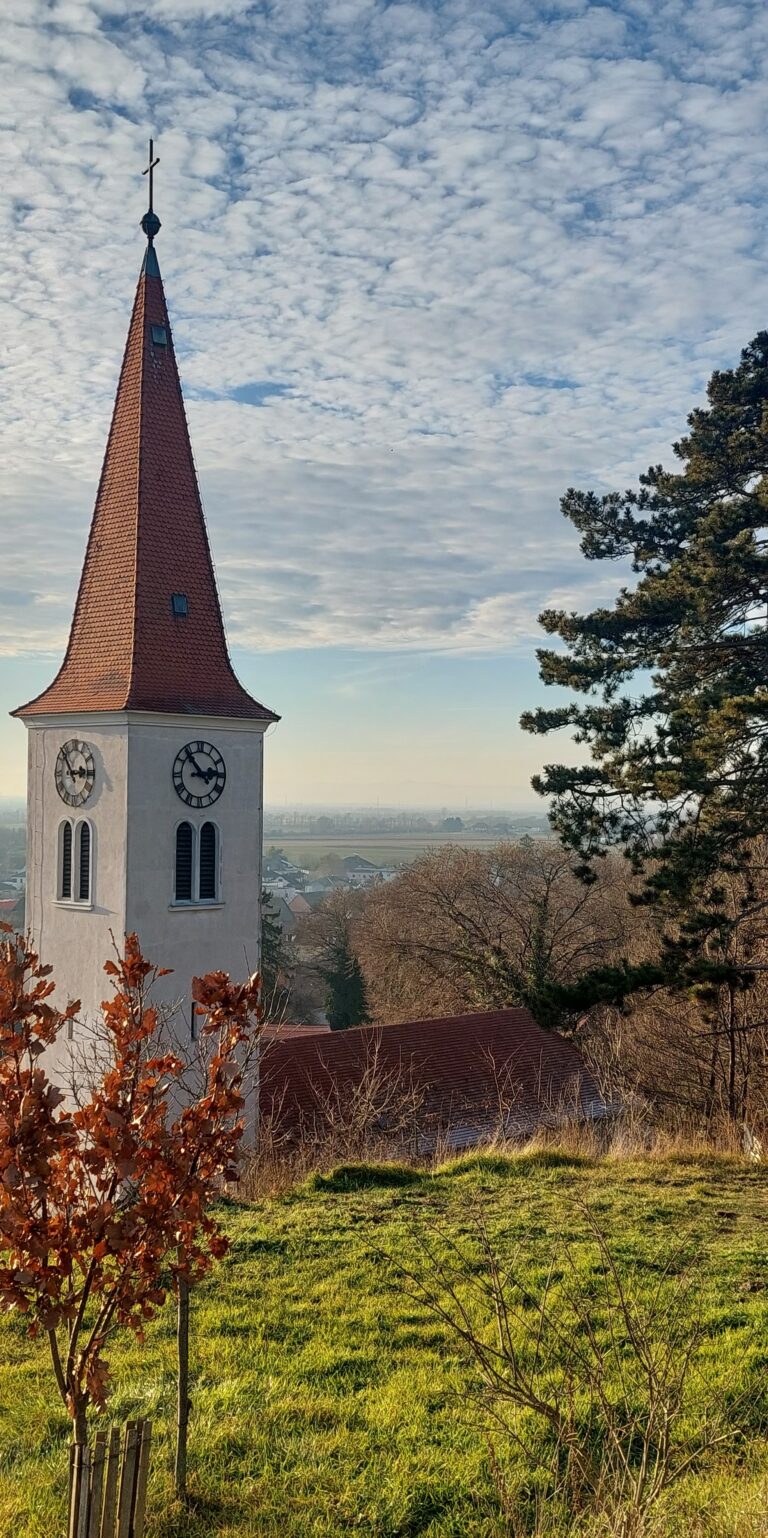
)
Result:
{"points": [[207, 864], [83, 862], [65, 860], [184, 863], [74, 879], [198, 859]]}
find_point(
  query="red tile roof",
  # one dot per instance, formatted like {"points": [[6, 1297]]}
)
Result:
{"points": [[465, 1066], [277, 1032], [127, 650]]}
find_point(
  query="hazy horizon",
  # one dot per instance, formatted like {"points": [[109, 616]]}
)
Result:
{"points": [[319, 808]]}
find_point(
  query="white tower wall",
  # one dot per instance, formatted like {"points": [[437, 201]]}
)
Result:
{"points": [[192, 938], [74, 939], [134, 811]]}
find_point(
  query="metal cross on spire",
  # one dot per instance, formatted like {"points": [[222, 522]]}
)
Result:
{"points": [[154, 160], [150, 223]]}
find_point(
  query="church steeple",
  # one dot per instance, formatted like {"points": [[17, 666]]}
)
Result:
{"points": [[147, 633], [146, 755]]}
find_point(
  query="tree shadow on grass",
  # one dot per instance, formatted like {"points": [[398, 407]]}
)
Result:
{"points": [[202, 1515], [364, 1177]]}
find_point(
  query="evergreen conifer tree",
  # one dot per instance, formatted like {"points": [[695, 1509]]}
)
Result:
{"points": [[673, 676], [346, 1003], [276, 965]]}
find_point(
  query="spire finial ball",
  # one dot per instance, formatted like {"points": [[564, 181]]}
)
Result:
{"points": [[150, 225]]}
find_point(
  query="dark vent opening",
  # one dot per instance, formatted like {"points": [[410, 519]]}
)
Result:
{"points": [[84, 874], [66, 860], [184, 863], [159, 336], [207, 862], [180, 605]]}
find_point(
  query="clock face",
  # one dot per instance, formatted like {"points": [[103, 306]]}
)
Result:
{"points": [[74, 772], [199, 774]]}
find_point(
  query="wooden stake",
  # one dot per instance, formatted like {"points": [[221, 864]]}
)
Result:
{"points": [[182, 1406], [85, 1490], [141, 1481], [75, 1486], [110, 1486], [98, 1459], [127, 1480]]}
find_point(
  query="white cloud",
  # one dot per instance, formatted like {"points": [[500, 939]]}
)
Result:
{"points": [[491, 251]]}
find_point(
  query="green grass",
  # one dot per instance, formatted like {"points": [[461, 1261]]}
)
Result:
{"points": [[327, 1402]]}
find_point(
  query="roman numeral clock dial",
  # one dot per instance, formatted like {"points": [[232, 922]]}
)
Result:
{"points": [[74, 772], [199, 774]]}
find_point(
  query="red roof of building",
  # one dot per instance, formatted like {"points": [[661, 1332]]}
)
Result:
{"points": [[127, 649], [469, 1069], [279, 1032]]}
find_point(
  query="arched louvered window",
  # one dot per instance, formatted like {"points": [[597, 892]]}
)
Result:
{"points": [[84, 862], [65, 860], [184, 862], [75, 876], [208, 863]]}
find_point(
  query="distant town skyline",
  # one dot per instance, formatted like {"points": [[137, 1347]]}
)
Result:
{"points": [[427, 265]]}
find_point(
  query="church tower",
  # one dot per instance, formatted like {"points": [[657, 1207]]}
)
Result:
{"points": [[145, 753]]}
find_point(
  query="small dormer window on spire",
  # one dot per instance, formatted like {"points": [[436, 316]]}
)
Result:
{"points": [[159, 336], [180, 605]]}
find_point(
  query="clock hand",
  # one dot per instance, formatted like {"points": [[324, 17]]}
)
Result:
{"points": [[192, 760]]}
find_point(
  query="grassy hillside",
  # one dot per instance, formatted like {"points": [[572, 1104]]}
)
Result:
{"points": [[327, 1402]]}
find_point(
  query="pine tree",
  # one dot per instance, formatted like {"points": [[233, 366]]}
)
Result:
{"points": [[346, 1003], [674, 674], [276, 965]]}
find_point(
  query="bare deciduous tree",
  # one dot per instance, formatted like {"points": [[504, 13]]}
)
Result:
{"points": [[465, 929]]}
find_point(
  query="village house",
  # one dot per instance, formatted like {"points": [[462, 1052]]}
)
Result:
{"points": [[358, 871], [279, 910], [280, 872]]}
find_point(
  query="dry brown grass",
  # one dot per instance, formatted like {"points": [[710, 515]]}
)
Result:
{"points": [[280, 1164]]}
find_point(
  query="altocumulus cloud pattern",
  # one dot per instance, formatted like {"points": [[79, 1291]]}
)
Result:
{"points": [[428, 264]]}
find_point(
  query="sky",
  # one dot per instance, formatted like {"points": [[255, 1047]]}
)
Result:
{"points": [[428, 265]]}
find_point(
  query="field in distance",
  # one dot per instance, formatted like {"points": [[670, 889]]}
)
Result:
{"points": [[309, 850]]}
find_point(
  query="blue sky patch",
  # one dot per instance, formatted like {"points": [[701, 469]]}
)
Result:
{"points": [[258, 392]]}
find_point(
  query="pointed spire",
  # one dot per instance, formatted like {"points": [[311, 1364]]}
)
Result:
{"points": [[147, 633]]}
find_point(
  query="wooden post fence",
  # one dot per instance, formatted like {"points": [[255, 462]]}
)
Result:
{"points": [[107, 1491]]}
